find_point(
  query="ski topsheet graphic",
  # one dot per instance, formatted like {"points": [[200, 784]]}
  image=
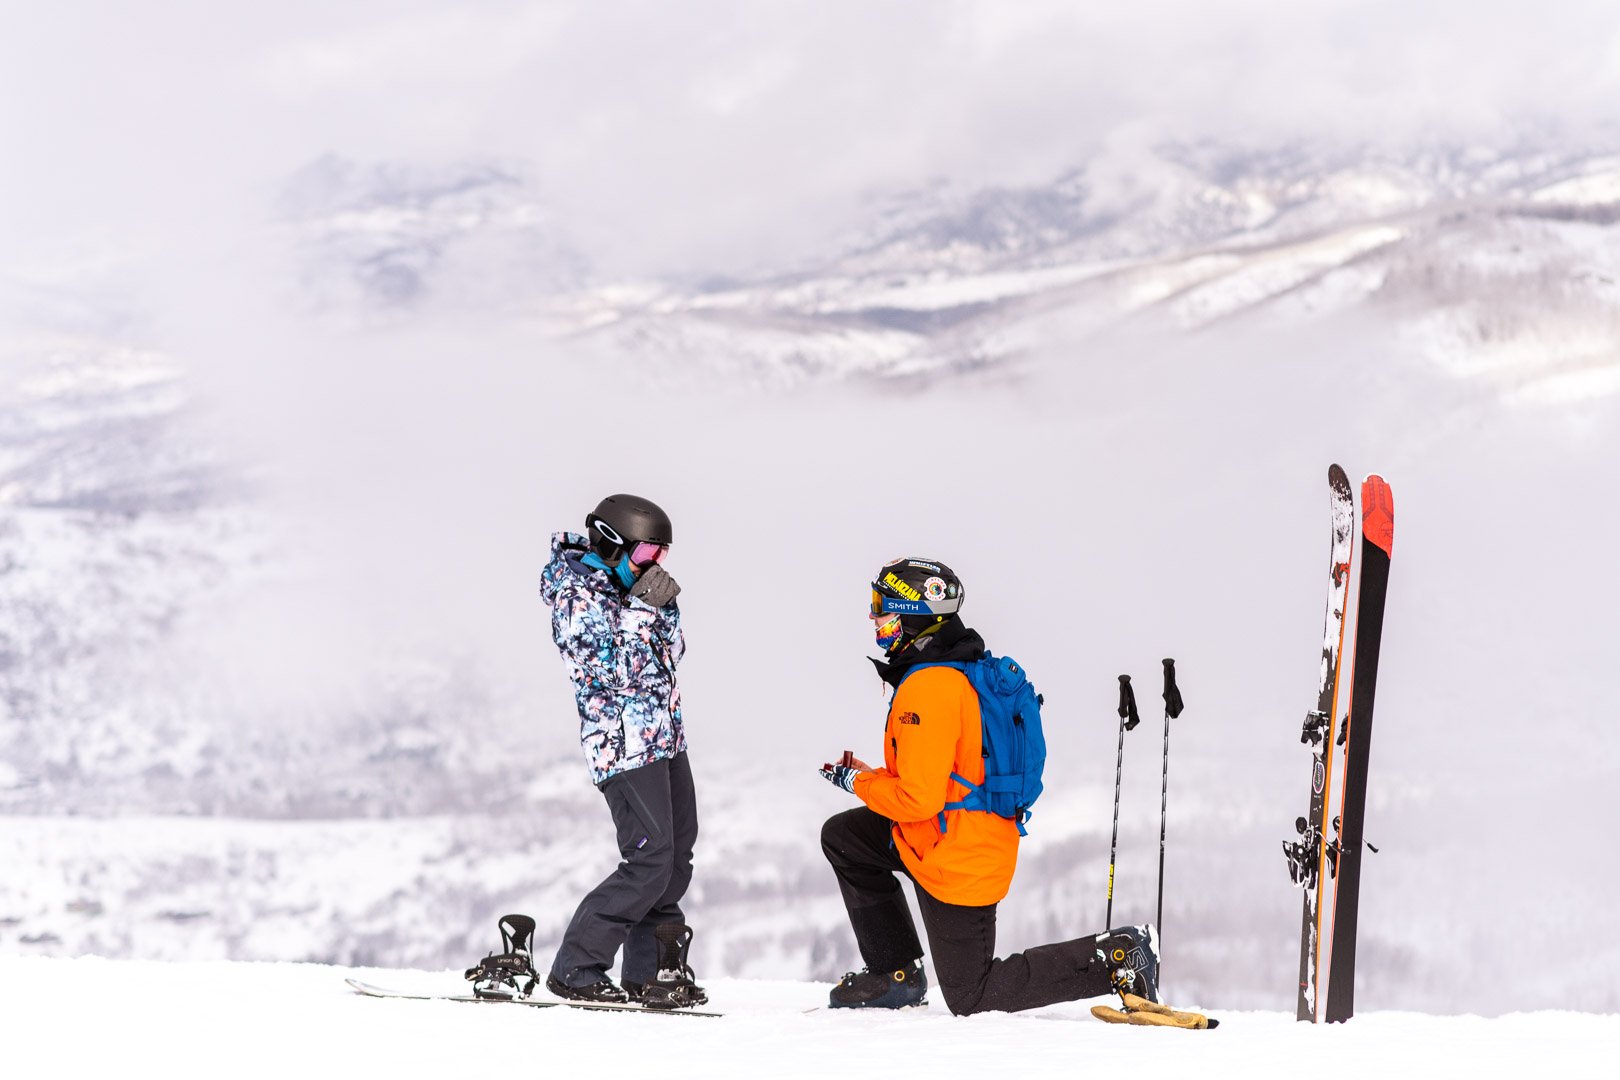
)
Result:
{"points": [[1377, 544], [371, 990], [1308, 855]]}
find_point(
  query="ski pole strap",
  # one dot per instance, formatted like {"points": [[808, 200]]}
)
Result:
{"points": [[1127, 704], [1172, 694]]}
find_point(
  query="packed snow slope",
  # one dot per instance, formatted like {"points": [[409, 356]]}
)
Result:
{"points": [[99, 1018]]}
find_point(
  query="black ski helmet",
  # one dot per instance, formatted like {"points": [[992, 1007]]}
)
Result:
{"points": [[620, 522], [925, 592]]}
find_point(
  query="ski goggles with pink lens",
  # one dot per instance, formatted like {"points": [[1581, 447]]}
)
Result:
{"points": [[647, 552]]}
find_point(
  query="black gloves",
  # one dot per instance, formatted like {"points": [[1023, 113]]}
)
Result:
{"points": [[655, 587]]}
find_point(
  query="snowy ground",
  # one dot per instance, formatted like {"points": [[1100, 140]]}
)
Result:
{"points": [[92, 1017]]}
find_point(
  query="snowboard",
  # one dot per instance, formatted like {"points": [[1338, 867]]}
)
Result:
{"points": [[370, 990], [1308, 855], [1377, 542]]}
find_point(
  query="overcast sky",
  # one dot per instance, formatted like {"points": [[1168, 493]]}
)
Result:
{"points": [[685, 134]]}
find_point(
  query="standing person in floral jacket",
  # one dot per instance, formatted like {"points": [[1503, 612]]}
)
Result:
{"points": [[616, 623]]}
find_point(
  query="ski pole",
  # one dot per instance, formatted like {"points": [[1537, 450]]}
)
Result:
{"points": [[1172, 709], [1127, 709]]}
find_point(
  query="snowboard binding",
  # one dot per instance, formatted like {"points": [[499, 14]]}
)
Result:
{"points": [[509, 973], [674, 986]]}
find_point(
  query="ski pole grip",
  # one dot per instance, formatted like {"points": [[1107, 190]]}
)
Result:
{"points": [[1172, 694], [1127, 703]]}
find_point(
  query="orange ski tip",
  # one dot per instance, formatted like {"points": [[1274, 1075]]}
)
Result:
{"points": [[1378, 512]]}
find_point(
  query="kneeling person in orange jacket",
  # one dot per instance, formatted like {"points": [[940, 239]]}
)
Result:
{"points": [[961, 861]]}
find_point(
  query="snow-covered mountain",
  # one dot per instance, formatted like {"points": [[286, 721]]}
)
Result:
{"points": [[1477, 254], [1156, 355], [388, 238]]}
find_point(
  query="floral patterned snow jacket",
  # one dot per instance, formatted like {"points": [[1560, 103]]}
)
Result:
{"points": [[621, 653]]}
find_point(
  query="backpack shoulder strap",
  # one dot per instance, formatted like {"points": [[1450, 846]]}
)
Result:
{"points": [[973, 796], [959, 665], [974, 800]]}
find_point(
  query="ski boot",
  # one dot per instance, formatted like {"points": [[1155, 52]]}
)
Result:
{"points": [[1131, 955], [866, 989], [674, 987], [510, 972]]}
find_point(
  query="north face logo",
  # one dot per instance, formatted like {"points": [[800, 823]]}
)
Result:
{"points": [[910, 718]]}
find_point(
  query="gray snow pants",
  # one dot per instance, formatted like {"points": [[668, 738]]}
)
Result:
{"points": [[655, 814]]}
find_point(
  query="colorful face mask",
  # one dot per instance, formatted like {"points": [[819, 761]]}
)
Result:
{"points": [[887, 631]]}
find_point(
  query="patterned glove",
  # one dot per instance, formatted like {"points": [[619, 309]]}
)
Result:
{"points": [[842, 775], [655, 587]]}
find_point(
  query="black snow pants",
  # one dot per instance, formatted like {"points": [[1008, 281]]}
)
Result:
{"points": [[961, 940], [655, 814]]}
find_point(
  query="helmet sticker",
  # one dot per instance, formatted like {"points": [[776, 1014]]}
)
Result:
{"points": [[934, 588], [894, 582]]}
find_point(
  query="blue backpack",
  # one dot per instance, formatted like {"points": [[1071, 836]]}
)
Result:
{"points": [[1014, 747]]}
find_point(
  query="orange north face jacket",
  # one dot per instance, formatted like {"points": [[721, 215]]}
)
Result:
{"points": [[933, 731]]}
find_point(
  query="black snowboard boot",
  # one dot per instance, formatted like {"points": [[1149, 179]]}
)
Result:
{"points": [[1131, 954], [674, 987], [510, 972], [601, 992], [898, 989]]}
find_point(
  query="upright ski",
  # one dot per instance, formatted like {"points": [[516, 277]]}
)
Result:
{"points": [[1377, 540], [1309, 853]]}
